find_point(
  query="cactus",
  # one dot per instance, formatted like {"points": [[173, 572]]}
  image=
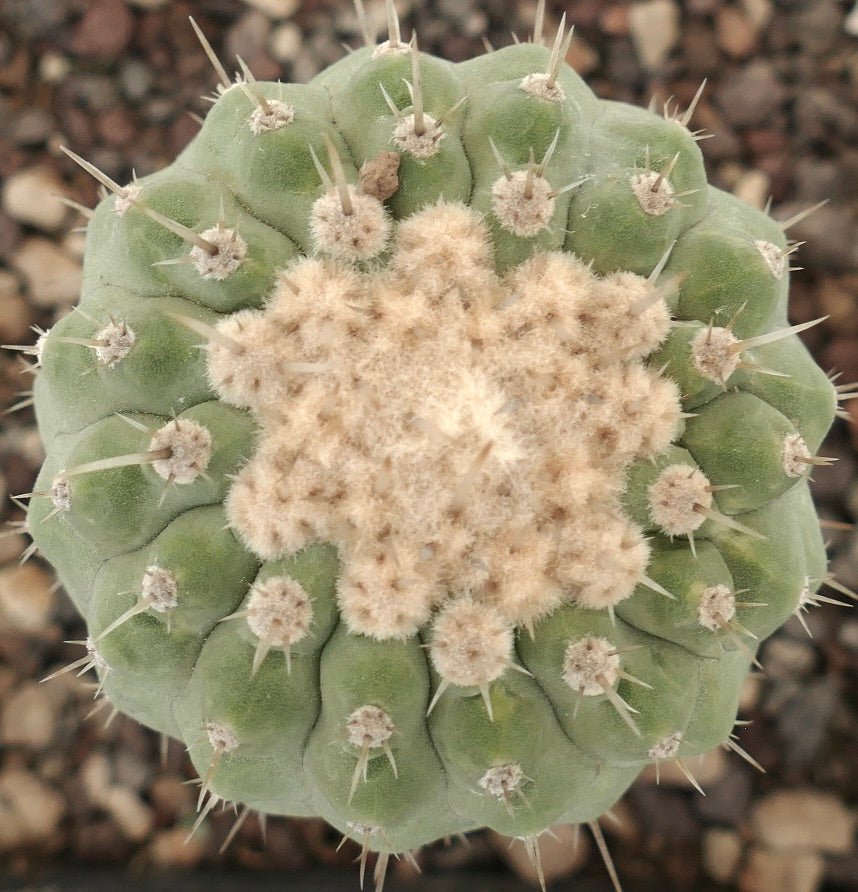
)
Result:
{"points": [[430, 448]]}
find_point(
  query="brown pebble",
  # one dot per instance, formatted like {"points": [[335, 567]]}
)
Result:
{"points": [[27, 597], [16, 316], [766, 140], [30, 715], [379, 176], [117, 127], [734, 33], [615, 20], [104, 31], [765, 871]]}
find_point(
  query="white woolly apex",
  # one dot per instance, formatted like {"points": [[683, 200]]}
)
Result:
{"points": [[444, 426], [667, 748], [279, 611], [795, 456], [186, 447], [679, 499], [159, 589], [775, 257], [590, 665], [716, 353], [61, 493], [471, 643], [227, 253], [115, 342], [716, 608], [273, 115], [369, 725]]}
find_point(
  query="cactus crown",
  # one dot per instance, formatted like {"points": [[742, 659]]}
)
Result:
{"points": [[480, 494]]}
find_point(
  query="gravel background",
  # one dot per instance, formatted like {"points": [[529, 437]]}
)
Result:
{"points": [[119, 81]]}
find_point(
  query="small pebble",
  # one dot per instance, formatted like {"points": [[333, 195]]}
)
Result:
{"points": [[847, 635], [53, 278], [30, 196], [785, 659], [803, 820], [30, 810], [850, 23], [275, 9], [758, 13], [172, 849], [816, 26], [27, 596], [54, 67], [285, 42], [32, 126], [135, 79], [96, 774], [30, 715], [766, 871], [248, 36], [752, 95], [830, 236], [16, 316], [734, 33], [134, 817], [722, 851], [104, 31], [654, 27]]}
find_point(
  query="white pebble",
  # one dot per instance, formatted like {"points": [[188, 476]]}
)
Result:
{"points": [[803, 820], [27, 599], [766, 871], [30, 811], [30, 715], [53, 278], [722, 851], [30, 196], [276, 9], [285, 42], [134, 817], [654, 28], [850, 23]]}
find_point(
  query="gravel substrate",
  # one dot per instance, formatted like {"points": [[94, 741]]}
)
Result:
{"points": [[120, 82]]}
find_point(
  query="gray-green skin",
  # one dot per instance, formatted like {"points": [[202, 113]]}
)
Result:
{"points": [[180, 670]]}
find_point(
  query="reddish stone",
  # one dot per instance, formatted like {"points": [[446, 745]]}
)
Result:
{"points": [[104, 31]]}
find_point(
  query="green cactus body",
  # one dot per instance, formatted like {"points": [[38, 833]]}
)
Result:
{"points": [[481, 492]]}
